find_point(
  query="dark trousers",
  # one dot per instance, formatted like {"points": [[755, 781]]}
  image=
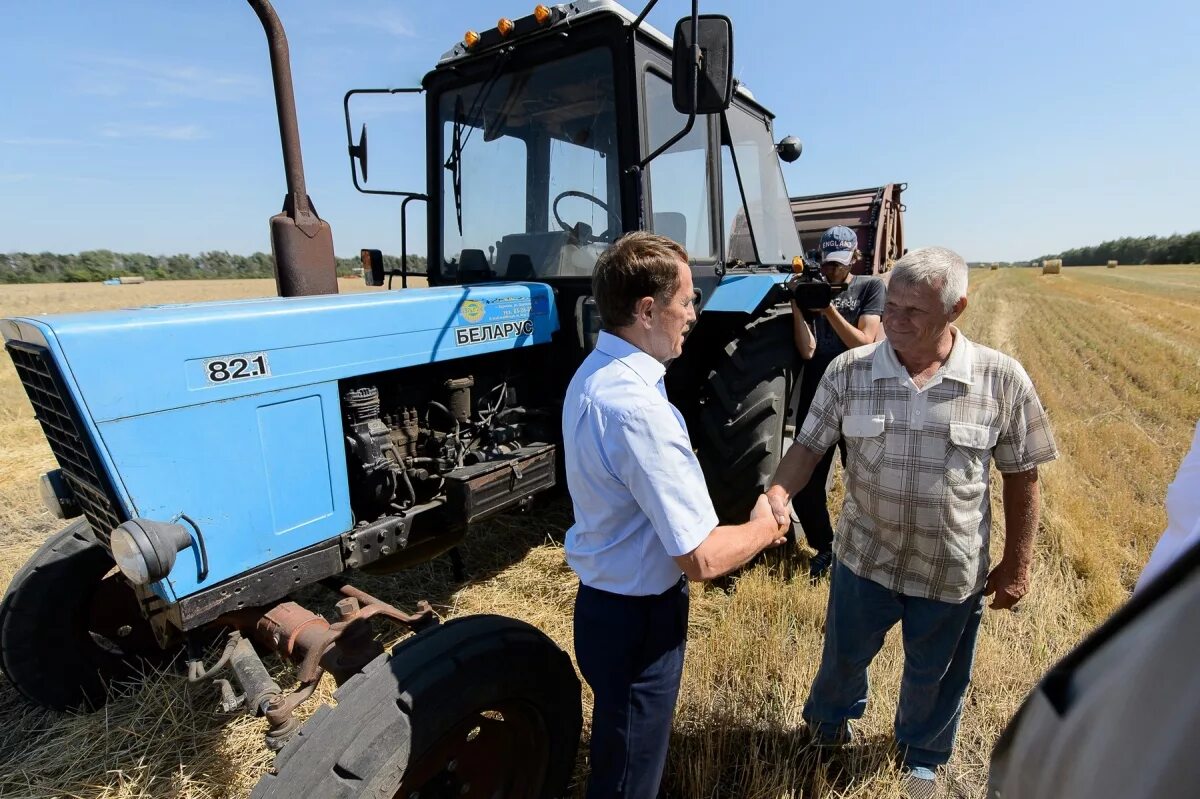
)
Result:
{"points": [[630, 650], [811, 505]]}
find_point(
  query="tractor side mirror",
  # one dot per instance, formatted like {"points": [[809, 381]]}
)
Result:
{"points": [[708, 79], [388, 110], [359, 151], [372, 266]]}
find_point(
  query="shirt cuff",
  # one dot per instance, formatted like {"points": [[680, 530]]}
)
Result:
{"points": [[694, 535], [1026, 465]]}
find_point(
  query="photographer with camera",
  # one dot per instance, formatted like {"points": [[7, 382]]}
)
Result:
{"points": [[849, 320]]}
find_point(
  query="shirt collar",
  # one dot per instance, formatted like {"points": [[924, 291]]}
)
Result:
{"points": [[960, 365], [641, 362]]}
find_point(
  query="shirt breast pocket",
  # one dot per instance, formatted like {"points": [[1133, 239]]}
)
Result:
{"points": [[967, 452], [865, 441]]}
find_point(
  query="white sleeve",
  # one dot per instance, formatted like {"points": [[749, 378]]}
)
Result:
{"points": [[651, 454], [1183, 516]]}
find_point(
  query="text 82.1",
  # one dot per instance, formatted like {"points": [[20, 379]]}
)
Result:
{"points": [[236, 367]]}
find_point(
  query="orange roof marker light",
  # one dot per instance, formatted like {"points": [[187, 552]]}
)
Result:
{"points": [[504, 25], [470, 39], [541, 14]]}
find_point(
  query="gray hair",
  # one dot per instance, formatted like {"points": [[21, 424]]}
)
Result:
{"points": [[939, 268]]}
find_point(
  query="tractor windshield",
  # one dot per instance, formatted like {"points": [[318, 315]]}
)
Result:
{"points": [[531, 175], [748, 154]]}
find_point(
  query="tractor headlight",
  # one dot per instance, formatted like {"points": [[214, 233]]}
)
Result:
{"points": [[145, 550], [57, 495]]}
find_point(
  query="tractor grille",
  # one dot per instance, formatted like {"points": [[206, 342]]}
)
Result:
{"points": [[64, 431]]}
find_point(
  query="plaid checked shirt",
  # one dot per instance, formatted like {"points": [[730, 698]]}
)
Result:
{"points": [[917, 516]]}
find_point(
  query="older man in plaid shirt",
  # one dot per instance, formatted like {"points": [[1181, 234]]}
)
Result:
{"points": [[924, 414]]}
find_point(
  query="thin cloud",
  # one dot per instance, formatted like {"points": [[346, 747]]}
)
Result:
{"points": [[15, 177], [117, 130], [40, 141], [384, 20], [113, 76]]}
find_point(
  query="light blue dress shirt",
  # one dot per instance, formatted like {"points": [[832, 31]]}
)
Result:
{"points": [[636, 486]]}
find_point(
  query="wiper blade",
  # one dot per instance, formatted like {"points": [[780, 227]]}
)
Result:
{"points": [[458, 141], [454, 162]]}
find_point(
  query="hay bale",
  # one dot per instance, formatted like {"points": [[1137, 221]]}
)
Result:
{"points": [[1051, 266], [994, 266], [130, 280], [1112, 264]]}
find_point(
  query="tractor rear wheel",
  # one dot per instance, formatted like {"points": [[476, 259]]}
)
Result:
{"points": [[743, 413], [482, 706], [70, 626]]}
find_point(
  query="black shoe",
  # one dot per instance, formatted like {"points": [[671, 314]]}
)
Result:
{"points": [[819, 565]]}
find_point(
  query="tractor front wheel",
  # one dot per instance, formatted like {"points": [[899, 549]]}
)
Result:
{"points": [[70, 626], [482, 706]]}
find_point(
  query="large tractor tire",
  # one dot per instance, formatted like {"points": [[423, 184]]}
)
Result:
{"points": [[482, 706], [70, 626], [743, 413]]}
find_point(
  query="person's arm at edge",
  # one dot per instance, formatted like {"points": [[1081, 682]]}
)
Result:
{"points": [[1010, 578], [732, 545]]}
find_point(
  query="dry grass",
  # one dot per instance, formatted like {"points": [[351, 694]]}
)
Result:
{"points": [[1115, 358]]}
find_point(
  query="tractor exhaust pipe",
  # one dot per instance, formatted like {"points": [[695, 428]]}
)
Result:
{"points": [[301, 242]]}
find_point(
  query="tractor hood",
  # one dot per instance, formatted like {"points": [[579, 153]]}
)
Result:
{"points": [[144, 360], [230, 413]]}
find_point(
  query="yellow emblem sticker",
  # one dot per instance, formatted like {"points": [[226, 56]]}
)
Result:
{"points": [[471, 310]]}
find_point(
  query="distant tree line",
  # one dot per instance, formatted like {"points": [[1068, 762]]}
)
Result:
{"points": [[95, 265], [1181, 248]]}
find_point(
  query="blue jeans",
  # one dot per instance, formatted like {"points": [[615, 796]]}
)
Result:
{"points": [[939, 649], [630, 650]]}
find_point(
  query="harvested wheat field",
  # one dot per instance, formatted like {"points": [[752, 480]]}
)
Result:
{"points": [[1114, 355]]}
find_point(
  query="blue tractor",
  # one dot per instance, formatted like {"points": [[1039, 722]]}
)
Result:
{"points": [[217, 457]]}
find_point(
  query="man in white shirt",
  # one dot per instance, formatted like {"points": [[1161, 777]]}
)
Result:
{"points": [[644, 523]]}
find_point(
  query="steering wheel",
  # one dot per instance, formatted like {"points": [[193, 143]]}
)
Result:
{"points": [[571, 229]]}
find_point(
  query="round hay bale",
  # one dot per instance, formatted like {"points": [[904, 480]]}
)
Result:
{"points": [[994, 266], [1051, 266], [1112, 264]]}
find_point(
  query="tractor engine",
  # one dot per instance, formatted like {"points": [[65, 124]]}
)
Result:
{"points": [[432, 449]]}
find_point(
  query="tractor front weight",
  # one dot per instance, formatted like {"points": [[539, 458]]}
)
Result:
{"points": [[311, 642]]}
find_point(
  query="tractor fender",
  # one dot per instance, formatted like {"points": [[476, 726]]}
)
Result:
{"points": [[747, 293]]}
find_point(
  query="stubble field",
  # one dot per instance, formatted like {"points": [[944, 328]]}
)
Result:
{"points": [[1115, 357]]}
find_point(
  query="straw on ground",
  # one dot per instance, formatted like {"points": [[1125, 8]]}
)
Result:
{"points": [[1114, 355]]}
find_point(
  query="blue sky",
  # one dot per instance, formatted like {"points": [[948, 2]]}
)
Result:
{"points": [[1020, 127]]}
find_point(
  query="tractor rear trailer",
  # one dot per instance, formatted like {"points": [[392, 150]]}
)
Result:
{"points": [[876, 215], [215, 458]]}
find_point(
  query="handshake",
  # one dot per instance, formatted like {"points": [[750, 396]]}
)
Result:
{"points": [[772, 512]]}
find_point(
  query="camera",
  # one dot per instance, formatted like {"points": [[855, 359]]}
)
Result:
{"points": [[808, 287]]}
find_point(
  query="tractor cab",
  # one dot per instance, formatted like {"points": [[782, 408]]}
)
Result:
{"points": [[551, 135], [527, 169]]}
